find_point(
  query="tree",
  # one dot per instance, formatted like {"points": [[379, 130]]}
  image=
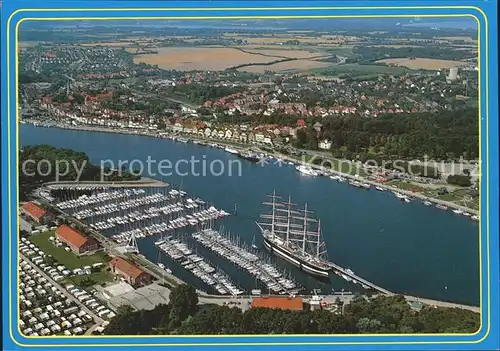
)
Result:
{"points": [[382, 314], [183, 302], [460, 180]]}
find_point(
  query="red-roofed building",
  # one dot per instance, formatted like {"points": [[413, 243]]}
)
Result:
{"points": [[282, 303], [77, 242], [36, 213], [132, 274]]}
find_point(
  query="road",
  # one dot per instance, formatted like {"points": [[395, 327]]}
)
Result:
{"points": [[442, 303], [96, 318]]}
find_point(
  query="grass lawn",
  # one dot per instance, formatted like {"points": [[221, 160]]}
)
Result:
{"points": [[69, 259], [406, 186], [98, 277]]}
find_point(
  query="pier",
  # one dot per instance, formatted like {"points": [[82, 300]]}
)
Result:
{"points": [[140, 183], [365, 283]]}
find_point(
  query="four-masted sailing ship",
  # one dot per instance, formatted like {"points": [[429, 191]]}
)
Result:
{"points": [[294, 235]]}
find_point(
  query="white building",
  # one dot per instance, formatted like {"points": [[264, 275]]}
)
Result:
{"points": [[325, 144]]}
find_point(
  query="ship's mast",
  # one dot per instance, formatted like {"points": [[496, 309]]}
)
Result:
{"points": [[319, 238], [305, 230], [289, 219], [274, 206]]}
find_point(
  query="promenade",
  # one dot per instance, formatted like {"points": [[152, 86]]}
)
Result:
{"points": [[239, 147]]}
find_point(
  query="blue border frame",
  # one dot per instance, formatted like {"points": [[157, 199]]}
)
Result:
{"points": [[485, 12]]}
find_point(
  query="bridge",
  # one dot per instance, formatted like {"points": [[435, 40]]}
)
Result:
{"points": [[365, 283]]}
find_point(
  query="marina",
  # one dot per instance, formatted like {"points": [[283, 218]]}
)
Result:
{"points": [[213, 277], [385, 238], [123, 213], [255, 265]]}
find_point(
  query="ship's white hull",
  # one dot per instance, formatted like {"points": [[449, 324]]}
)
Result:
{"points": [[305, 266]]}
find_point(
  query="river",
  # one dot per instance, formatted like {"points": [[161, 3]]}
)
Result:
{"points": [[406, 248]]}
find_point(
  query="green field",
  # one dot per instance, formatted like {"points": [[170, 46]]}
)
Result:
{"points": [[69, 259], [98, 277], [406, 186], [357, 70]]}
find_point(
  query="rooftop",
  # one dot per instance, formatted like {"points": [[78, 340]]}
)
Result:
{"points": [[126, 267], [34, 210], [72, 236], [147, 297], [283, 303], [117, 289]]}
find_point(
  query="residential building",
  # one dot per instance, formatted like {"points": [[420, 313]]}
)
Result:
{"points": [[325, 144]]}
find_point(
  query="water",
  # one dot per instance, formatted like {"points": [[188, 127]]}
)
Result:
{"points": [[406, 248]]}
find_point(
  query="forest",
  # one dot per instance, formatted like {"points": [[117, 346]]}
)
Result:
{"points": [[381, 314], [447, 135], [39, 164], [369, 54]]}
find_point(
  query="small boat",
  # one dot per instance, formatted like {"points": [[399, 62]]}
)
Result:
{"points": [[458, 211], [427, 203], [161, 265], [476, 218], [379, 188], [466, 214], [307, 170], [255, 247], [441, 207], [231, 151], [402, 197]]}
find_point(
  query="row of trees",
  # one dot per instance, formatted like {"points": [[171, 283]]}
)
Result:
{"points": [[382, 314], [374, 53]]}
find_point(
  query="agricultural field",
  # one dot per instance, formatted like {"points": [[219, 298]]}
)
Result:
{"points": [[422, 63], [201, 58], [283, 38], [286, 66], [120, 44], [282, 53]]}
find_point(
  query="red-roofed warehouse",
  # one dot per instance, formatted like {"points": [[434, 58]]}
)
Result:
{"points": [[36, 213], [132, 274], [76, 241], [282, 303]]}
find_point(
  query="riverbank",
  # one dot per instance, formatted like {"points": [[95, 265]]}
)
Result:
{"points": [[245, 147], [143, 182], [390, 187]]}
